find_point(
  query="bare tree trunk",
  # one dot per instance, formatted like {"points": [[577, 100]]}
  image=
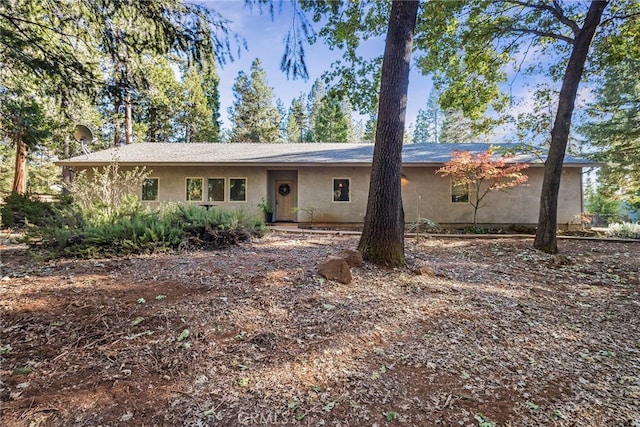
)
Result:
{"points": [[67, 172], [546, 239], [382, 239], [20, 170], [128, 117]]}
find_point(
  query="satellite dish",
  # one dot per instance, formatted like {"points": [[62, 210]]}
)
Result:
{"points": [[83, 135]]}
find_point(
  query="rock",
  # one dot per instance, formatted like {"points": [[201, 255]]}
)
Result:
{"points": [[423, 270], [352, 257], [559, 259], [334, 268]]}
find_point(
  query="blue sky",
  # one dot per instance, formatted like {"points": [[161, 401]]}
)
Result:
{"points": [[265, 40]]}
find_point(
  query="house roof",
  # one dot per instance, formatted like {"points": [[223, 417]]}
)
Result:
{"points": [[285, 154]]}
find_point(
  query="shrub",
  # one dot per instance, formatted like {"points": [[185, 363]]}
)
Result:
{"points": [[216, 228], [476, 230], [174, 227], [423, 225], [107, 193], [626, 230], [21, 209]]}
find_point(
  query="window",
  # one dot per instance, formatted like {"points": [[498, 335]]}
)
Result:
{"points": [[341, 190], [150, 190], [215, 190], [459, 192], [194, 189], [237, 189]]}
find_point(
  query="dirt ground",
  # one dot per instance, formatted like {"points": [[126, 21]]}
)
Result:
{"points": [[500, 335]]}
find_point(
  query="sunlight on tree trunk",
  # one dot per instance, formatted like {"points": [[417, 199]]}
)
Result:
{"points": [[382, 239], [20, 174], [128, 118], [546, 239]]}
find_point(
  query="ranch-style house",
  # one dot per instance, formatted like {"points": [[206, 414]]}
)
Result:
{"points": [[332, 180]]}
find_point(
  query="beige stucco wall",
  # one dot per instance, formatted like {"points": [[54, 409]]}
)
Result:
{"points": [[316, 189], [428, 195], [425, 193], [172, 185]]}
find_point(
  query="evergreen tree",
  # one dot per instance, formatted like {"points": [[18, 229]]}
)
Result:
{"points": [[347, 112], [370, 129], [253, 116], [382, 239], [24, 124], [429, 122], [211, 88], [70, 46], [456, 128], [614, 125], [297, 120], [422, 132], [330, 122], [358, 131], [198, 120], [282, 113], [315, 98], [159, 104]]}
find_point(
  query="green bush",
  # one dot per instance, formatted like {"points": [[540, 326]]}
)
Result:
{"points": [[174, 227], [21, 209], [626, 230], [476, 230], [215, 228]]}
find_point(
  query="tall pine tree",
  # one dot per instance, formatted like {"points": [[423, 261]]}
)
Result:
{"points": [[297, 120], [253, 116], [330, 122]]}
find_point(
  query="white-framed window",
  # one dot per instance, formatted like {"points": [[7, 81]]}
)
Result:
{"points": [[150, 187], [341, 189], [459, 192], [194, 189], [237, 189], [215, 189]]}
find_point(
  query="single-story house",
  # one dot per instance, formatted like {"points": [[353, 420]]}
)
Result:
{"points": [[332, 179]]}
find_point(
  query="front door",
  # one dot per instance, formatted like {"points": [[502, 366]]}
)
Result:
{"points": [[284, 200]]}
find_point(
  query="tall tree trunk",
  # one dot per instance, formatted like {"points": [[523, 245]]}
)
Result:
{"points": [[128, 117], [382, 239], [548, 218], [20, 170], [67, 172]]}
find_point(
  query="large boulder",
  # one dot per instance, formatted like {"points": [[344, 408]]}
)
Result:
{"points": [[352, 257], [335, 268]]}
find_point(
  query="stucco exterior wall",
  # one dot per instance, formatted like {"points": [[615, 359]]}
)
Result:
{"points": [[425, 193], [172, 185], [315, 186], [428, 195]]}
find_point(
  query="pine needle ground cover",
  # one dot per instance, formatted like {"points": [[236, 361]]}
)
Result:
{"points": [[500, 335]]}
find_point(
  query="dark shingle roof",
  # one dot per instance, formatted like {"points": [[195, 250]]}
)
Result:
{"points": [[284, 154]]}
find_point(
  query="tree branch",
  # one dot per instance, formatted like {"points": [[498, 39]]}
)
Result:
{"points": [[555, 10], [618, 17], [542, 34]]}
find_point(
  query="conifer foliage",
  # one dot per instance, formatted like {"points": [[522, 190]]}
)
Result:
{"points": [[254, 117]]}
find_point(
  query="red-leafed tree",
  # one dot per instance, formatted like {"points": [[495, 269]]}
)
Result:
{"points": [[483, 173]]}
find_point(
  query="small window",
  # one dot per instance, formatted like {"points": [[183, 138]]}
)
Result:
{"points": [[215, 190], [341, 190], [238, 189], [150, 190], [459, 192], [194, 189]]}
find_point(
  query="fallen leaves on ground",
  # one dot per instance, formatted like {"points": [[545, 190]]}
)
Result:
{"points": [[499, 334]]}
